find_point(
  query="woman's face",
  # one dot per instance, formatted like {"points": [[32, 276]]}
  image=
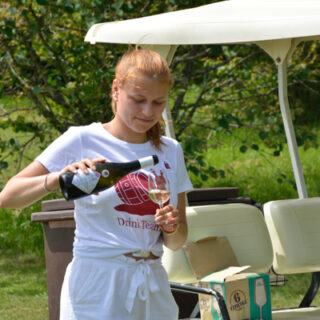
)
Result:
{"points": [[140, 102]]}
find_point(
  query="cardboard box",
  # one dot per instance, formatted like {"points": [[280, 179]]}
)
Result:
{"points": [[247, 295], [210, 254]]}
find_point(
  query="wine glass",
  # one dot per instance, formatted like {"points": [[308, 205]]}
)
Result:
{"points": [[260, 294], [159, 188]]}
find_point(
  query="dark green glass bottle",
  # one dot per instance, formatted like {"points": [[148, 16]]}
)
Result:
{"points": [[75, 186]]}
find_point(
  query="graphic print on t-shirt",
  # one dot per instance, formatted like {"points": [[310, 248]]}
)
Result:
{"points": [[167, 165], [133, 192]]}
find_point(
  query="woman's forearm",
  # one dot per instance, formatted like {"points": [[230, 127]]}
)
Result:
{"points": [[22, 191], [35, 181], [177, 239]]}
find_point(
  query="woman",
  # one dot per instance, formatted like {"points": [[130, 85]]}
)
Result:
{"points": [[116, 272]]}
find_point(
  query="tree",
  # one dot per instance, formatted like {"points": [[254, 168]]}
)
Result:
{"points": [[236, 87], [67, 81], [44, 58]]}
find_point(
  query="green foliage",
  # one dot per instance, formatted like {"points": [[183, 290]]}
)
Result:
{"points": [[18, 232], [44, 57], [256, 172], [236, 87], [47, 60]]}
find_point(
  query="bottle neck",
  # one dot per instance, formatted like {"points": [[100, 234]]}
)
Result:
{"points": [[146, 162]]}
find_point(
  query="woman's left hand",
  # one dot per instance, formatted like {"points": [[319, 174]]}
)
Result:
{"points": [[168, 218]]}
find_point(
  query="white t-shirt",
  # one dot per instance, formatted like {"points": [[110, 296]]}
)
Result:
{"points": [[121, 218]]}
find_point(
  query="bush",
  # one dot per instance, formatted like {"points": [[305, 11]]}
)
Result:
{"points": [[18, 233]]}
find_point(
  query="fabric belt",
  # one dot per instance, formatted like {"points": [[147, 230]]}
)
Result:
{"points": [[143, 282], [141, 255]]}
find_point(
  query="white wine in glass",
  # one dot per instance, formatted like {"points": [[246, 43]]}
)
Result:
{"points": [[159, 189]]}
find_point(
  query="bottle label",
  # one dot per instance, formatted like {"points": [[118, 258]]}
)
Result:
{"points": [[86, 182], [105, 173]]}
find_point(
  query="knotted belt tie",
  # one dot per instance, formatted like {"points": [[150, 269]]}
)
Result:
{"points": [[142, 283]]}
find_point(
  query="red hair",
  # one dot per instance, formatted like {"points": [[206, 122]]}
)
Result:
{"points": [[148, 63]]}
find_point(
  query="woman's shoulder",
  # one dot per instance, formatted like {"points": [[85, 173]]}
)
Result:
{"points": [[87, 129], [170, 142]]}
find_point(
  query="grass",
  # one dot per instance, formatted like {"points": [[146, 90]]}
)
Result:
{"points": [[23, 289], [291, 294]]}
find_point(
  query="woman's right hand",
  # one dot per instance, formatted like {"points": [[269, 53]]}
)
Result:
{"points": [[82, 165]]}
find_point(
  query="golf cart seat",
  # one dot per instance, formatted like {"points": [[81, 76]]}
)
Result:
{"points": [[242, 224], [294, 226]]}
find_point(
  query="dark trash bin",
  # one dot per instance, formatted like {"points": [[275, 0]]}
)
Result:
{"points": [[58, 230], [57, 218]]}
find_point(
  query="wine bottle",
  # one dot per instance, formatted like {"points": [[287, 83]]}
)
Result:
{"points": [[75, 186]]}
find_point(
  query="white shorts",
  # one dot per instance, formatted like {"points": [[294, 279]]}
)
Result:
{"points": [[116, 289]]}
